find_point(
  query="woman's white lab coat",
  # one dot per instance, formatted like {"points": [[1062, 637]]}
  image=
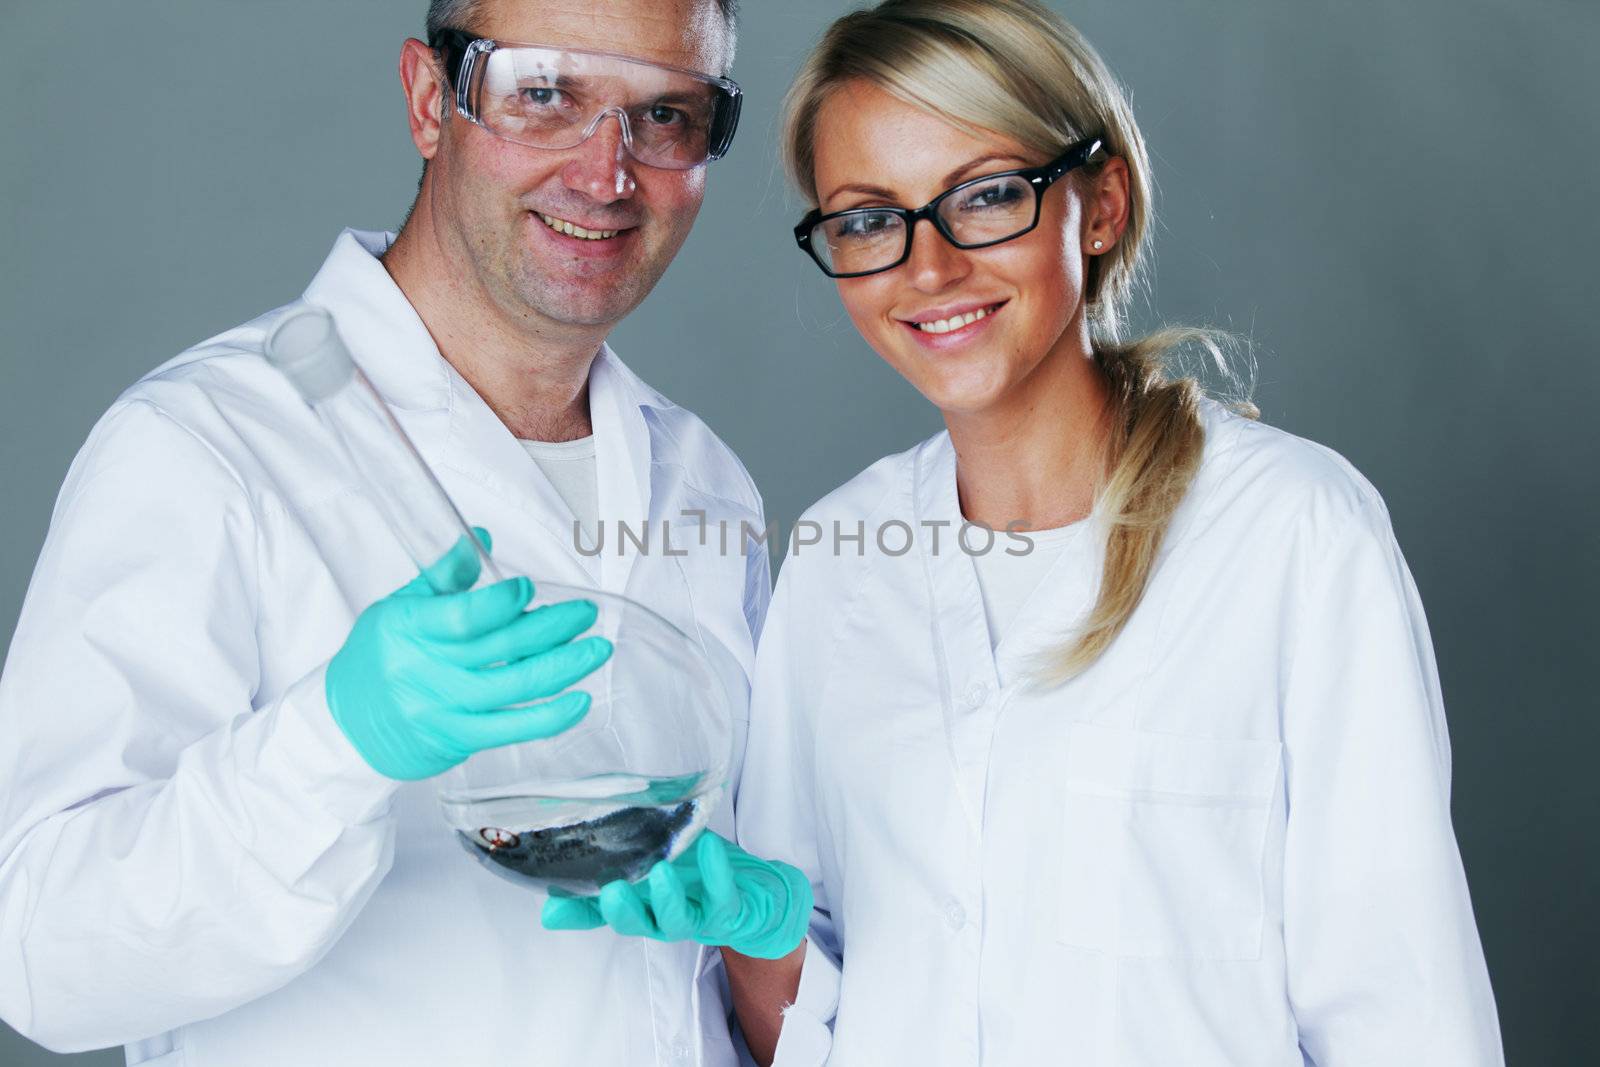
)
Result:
{"points": [[1227, 844], [193, 859]]}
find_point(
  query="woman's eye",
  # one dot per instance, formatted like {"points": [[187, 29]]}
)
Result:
{"points": [[863, 225], [992, 196]]}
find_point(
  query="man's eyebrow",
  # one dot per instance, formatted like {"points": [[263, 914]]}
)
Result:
{"points": [[953, 178], [675, 97]]}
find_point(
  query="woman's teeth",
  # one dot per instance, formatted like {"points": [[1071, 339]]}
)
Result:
{"points": [[955, 322], [577, 231]]}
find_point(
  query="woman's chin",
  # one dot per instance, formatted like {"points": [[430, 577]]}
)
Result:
{"points": [[962, 395], [955, 382]]}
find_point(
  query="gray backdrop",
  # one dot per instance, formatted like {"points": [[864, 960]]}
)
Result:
{"points": [[1396, 202]]}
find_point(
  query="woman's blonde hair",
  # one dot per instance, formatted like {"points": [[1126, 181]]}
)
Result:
{"points": [[1014, 67]]}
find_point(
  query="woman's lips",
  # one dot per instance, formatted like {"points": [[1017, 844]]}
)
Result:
{"points": [[955, 328]]}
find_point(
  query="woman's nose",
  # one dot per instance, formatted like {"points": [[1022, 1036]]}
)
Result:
{"points": [[934, 264]]}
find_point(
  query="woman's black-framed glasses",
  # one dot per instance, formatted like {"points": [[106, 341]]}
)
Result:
{"points": [[975, 214]]}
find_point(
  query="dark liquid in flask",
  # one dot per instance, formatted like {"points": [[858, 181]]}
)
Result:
{"points": [[582, 857]]}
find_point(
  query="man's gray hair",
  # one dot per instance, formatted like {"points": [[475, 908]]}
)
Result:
{"points": [[461, 14]]}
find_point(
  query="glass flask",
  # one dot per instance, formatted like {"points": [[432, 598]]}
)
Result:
{"points": [[634, 781]]}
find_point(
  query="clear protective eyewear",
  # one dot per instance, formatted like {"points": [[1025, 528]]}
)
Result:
{"points": [[975, 214], [548, 97]]}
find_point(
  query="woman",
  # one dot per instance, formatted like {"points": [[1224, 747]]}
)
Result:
{"points": [[1173, 786]]}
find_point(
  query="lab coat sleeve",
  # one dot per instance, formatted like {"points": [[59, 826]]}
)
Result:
{"points": [[168, 850], [776, 813], [1384, 961]]}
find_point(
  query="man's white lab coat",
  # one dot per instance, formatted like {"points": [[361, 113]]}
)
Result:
{"points": [[193, 859]]}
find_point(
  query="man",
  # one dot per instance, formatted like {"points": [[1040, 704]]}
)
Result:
{"points": [[218, 843]]}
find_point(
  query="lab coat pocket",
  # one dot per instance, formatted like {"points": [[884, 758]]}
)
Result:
{"points": [[1164, 844]]}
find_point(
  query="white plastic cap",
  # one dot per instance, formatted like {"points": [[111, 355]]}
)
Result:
{"points": [[306, 347]]}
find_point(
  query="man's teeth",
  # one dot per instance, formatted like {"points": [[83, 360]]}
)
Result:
{"points": [[955, 322], [577, 231]]}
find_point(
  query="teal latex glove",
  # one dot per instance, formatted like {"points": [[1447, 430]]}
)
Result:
{"points": [[716, 893], [427, 678]]}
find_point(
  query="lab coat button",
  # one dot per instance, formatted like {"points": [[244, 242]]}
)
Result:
{"points": [[955, 914], [678, 1052], [976, 694]]}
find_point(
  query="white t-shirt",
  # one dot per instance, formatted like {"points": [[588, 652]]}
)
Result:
{"points": [[1006, 581], [570, 467]]}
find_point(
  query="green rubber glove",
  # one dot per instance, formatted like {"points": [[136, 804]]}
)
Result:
{"points": [[716, 893], [427, 678]]}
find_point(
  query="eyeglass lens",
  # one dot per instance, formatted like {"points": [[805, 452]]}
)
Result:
{"points": [[984, 212], [551, 99]]}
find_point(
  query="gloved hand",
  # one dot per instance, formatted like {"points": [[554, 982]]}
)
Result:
{"points": [[714, 893], [426, 678]]}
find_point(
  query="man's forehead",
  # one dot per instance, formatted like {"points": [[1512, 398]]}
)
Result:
{"points": [[680, 33]]}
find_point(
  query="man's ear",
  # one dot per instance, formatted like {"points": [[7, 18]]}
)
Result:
{"points": [[421, 76]]}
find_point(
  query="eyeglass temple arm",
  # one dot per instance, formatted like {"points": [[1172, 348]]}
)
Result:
{"points": [[459, 51], [452, 48], [1081, 154]]}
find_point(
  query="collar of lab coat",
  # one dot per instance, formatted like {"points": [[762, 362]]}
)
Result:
{"points": [[961, 631], [1050, 617], [454, 428], [1044, 622]]}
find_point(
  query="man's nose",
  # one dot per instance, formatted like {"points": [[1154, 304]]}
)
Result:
{"points": [[600, 168], [934, 262]]}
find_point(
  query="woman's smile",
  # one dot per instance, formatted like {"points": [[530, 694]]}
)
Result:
{"points": [[942, 330]]}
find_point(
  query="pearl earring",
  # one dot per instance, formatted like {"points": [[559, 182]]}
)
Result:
{"points": [[1099, 245]]}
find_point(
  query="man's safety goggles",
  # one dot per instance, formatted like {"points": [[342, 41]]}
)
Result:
{"points": [[557, 98]]}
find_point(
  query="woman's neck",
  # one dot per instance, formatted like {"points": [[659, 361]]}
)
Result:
{"points": [[1035, 456]]}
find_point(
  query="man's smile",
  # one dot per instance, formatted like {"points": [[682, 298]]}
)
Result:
{"points": [[572, 229]]}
